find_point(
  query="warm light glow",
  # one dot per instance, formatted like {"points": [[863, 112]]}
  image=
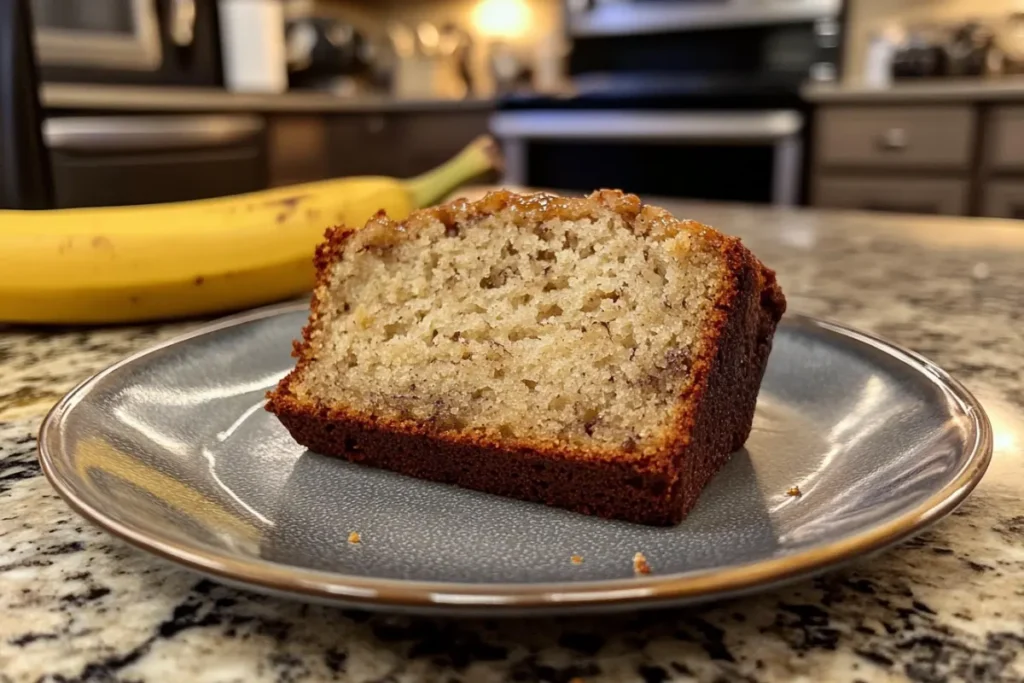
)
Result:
{"points": [[1004, 440], [501, 18]]}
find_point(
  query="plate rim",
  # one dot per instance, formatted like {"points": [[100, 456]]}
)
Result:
{"points": [[498, 598]]}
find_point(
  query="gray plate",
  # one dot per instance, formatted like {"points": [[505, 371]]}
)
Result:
{"points": [[172, 451]]}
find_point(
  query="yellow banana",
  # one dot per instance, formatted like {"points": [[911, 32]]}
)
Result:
{"points": [[158, 261]]}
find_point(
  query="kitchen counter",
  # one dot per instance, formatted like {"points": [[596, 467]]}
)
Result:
{"points": [[909, 92], [78, 605], [72, 96]]}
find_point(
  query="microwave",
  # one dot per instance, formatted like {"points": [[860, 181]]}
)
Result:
{"points": [[592, 18], [145, 42], [770, 40]]}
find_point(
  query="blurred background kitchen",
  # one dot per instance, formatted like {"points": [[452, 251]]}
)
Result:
{"points": [[900, 105]]}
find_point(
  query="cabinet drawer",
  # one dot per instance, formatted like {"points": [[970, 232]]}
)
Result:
{"points": [[297, 149], [366, 144], [431, 138], [895, 137], [400, 144], [908, 195], [1004, 199], [1006, 138]]}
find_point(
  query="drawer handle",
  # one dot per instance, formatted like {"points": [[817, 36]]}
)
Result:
{"points": [[375, 125], [893, 140]]}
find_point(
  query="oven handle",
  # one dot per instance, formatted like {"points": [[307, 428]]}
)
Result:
{"points": [[639, 126], [136, 133]]}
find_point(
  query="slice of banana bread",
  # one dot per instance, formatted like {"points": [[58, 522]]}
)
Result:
{"points": [[595, 354]]}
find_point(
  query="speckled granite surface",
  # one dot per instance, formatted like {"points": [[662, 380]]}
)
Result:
{"points": [[77, 605]]}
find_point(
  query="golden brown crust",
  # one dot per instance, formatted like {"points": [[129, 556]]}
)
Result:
{"points": [[656, 485], [382, 231]]}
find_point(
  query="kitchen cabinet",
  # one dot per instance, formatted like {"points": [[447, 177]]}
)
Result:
{"points": [[297, 149], [399, 143], [1004, 199], [917, 137], [961, 157], [432, 138], [390, 143], [364, 144], [910, 158], [102, 157], [907, 195], [1002, 164], [1005, 150]]}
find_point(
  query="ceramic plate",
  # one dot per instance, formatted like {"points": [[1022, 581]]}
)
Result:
{"points": [[172, 451]]}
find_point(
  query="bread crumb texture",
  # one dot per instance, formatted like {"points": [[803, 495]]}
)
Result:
{"points": [[640, 565], [519, 318]]}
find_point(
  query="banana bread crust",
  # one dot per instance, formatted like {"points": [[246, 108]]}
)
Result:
{"points": [[654, 485]]}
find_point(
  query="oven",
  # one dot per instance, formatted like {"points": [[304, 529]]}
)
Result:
{"points": [[150, 42], [146, 159], [726, 155], [678, 98]]}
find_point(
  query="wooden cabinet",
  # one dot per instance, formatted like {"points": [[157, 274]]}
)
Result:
{"points": [[399, 143], [390, 143], [1004, 199], [364, 144], [1002, 165], [935, 137], [911, 195], [431, 138], [100, 160], [912, 159], [297, 149], [1005, 150], [964, 158]]}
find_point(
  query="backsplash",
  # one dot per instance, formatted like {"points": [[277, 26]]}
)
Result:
{"points": [[524, 25], [867, 17]]}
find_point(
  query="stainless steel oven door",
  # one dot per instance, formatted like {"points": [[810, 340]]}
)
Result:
{"points": [[110, 161], [104, 34], [780, 130]]}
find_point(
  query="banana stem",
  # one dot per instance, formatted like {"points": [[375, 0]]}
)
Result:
{"points": [[479, 156]]}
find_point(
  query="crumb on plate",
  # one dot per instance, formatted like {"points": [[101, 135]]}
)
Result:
{"points": [[794, 491], [576, 559], [354, 538], [640, 565]]}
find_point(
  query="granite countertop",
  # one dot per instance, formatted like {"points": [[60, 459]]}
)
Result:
{"points": [[1009, 88], [180, 99], [78, 605]]}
